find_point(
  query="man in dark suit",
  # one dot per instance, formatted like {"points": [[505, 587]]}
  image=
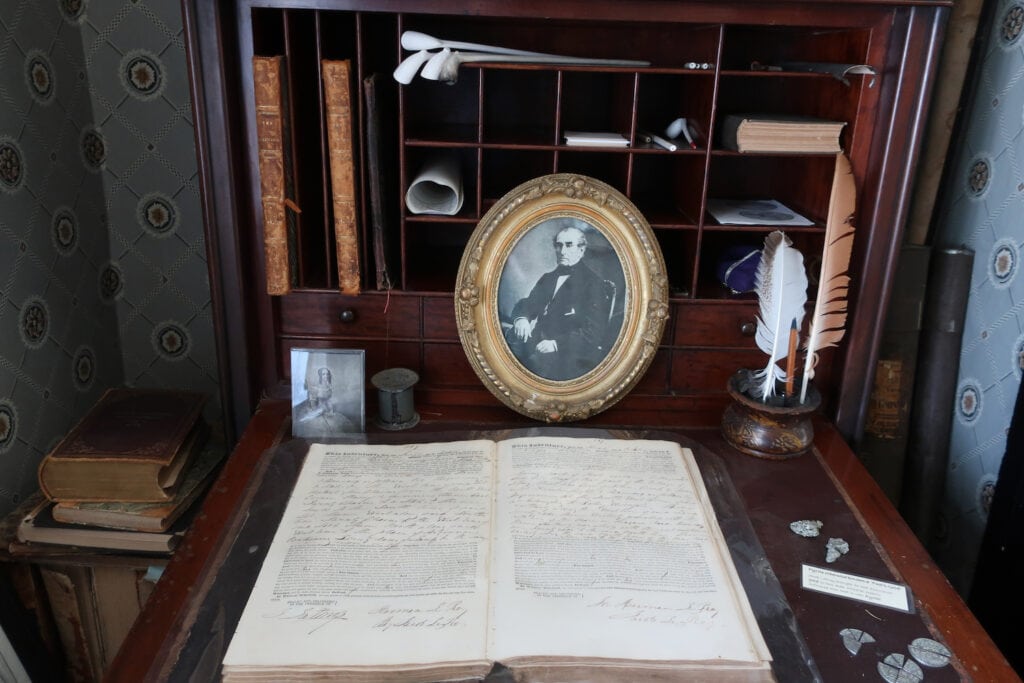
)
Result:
{"points": [[558, 329]]}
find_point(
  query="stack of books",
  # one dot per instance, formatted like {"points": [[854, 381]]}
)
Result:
{"points": [[126, 476], [780, 133]]}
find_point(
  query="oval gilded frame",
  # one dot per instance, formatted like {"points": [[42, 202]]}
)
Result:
{"points": [[645, 309]]}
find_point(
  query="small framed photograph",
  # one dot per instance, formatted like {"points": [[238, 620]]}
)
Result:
{"points": [[328, 392], [562, 297]]}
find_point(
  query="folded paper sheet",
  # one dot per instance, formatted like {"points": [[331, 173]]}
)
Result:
{"points": [[437, 189]]}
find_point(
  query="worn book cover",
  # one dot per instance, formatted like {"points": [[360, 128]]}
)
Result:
{"points": [[133, 445], [39, 526], [780, 133], [338, 96], [381, 160], [147, 516], [274, 159]]}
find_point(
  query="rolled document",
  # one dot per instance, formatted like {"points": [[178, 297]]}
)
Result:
{"points": [[437, 189]]}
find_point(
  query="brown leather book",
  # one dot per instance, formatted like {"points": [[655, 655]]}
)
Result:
{"points": [[39, 526], [148, 516], [337, 92], [380, 94], [269, 80], [133, 446]]}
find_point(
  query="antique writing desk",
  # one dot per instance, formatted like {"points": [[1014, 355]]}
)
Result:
{"points": [[185, 627], [505, 124]]}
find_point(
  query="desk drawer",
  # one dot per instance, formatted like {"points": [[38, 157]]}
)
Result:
{"points": [[717, 325], [369, 315]]}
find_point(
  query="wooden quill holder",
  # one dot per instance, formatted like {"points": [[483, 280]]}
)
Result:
{"points": [[774, 430]]}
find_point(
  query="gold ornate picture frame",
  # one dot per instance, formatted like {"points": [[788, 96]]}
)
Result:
{"points": [[561, 297]]}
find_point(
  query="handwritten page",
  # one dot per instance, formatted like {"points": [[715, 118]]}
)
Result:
{"points": [[380, 559], [609, 549]]}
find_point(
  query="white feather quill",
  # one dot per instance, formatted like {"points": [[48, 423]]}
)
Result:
{"points": [[828, 322], [781, 286]]}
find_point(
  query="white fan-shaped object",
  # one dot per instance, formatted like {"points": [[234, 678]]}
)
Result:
{"points": [[414, 40], [432, 69], [407, 68]]}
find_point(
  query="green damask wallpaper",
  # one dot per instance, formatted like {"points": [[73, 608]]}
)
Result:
{"points": [[103, 269]]}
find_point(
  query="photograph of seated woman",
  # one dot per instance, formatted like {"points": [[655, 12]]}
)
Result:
{"points": [[321, 413], [567, 322]]}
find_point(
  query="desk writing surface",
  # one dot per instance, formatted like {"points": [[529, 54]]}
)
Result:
{"points": [[186, 626]]}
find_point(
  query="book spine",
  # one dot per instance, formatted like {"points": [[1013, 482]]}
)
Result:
{"points": [[883, 446], [730, 128], [336, 75], [377, 177], [270, 134]]}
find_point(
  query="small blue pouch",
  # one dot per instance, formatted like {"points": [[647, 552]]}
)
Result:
{"points": [[737, 266]]}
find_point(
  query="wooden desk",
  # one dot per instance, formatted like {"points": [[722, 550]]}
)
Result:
{"points": [[190, 618]]}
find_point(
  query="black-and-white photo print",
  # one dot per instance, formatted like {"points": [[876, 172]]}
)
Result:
{"points": [[560, 298], [328, 392]]}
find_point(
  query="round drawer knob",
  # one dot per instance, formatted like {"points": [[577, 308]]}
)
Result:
{"points": [[748, 329], [347, 316]]}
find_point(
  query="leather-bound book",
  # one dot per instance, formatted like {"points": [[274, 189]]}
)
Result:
{"points": [[381, 160], [133, 446], [148, 516], [338, 95], [273, 148], [39, 526]]}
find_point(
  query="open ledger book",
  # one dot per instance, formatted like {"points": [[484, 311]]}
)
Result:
{"points": [[564, 559]]}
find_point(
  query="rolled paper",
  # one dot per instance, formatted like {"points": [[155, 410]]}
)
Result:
{"points": [[437, 189]]}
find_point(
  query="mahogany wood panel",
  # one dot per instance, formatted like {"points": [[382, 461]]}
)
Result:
{"points": [[720, 325], [439, 318], [694, 370], [149, 647], [981, 660], [446, 365]]}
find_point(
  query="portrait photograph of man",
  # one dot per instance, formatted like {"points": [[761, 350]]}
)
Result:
{"points": [[327, 392], [560, 298]]}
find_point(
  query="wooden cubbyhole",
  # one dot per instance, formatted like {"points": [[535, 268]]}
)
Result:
{"points": [[815, 96], [442, 112], [662, 98], [679, 249], [667, 188], [519, 106], [419, 158], [609, 167], [801, 182], [597, 101], [504, 169], [433, 250], [715, 247], [769, 46]]}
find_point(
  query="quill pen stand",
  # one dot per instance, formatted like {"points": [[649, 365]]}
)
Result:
{"points": [[768, 430]]}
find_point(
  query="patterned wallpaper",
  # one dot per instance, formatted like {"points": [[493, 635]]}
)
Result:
{"points": [[103, 274], [982, 209]]}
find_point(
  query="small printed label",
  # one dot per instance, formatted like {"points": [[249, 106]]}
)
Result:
{"points": [[861, 588]]}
